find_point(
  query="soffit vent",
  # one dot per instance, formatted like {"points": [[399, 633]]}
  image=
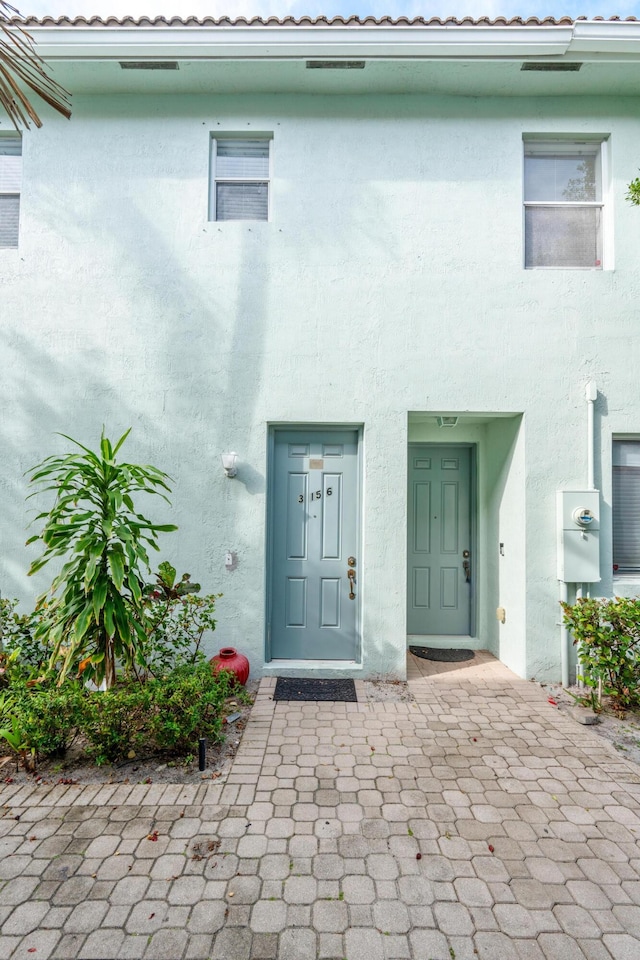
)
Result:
{"points": [[335, 64], [149, 64], [552, 67]]}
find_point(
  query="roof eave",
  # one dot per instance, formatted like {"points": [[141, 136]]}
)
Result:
{"points": [[587, 39]]}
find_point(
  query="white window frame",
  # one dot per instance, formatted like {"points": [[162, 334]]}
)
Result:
{"points": [[214, 179], [622, 571], [13, 193], [547, 143]]}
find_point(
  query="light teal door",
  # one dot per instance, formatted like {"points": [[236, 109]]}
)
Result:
{"points": [[314, 576], [440, 565]]}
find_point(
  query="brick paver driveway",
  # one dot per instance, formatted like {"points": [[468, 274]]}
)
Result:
{"points": [[475, 822]]}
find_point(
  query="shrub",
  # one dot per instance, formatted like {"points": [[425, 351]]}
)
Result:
{"points": [[50, 718], [18, 632], [175, 621], [607, 635], [188, 705], [167, 714], [116, 722]]}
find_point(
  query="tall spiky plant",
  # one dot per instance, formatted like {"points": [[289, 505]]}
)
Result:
{"points": [[21, 66], [93, 613]]}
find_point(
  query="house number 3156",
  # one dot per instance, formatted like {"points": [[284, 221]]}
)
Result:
{"points": [[316, 495]]}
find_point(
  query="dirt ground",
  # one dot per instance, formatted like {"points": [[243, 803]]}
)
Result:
{"points": [[622, 732]]}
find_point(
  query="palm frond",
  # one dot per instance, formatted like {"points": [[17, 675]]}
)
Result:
{"points": [[20, 67]]}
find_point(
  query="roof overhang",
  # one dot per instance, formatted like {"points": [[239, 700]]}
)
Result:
{"points": [[301, 42], [458, 57]]}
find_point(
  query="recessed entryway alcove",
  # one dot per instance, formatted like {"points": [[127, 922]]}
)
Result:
{"points": [[466, 529]]}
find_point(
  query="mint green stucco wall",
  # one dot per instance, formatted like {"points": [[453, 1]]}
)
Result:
{"points": [[389, 280]]}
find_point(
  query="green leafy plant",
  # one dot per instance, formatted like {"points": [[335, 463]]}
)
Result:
{"points": [[176, 621], [93, 614], [167, 715], [633, 192], [607, 634], [18, 635]]}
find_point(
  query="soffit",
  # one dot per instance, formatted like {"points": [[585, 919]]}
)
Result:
{"points": [[456, 57]]}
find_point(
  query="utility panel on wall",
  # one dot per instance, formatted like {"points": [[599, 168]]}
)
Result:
{"points": [[579, 536]]}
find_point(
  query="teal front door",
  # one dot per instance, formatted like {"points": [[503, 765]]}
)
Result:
{"points": [[440, 565], [314, 565]]}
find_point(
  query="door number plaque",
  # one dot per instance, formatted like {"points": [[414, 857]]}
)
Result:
{"points": [[316, 464]]}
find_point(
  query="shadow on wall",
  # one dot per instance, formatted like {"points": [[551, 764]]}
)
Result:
{"points": [[130, 337], [46, 389]]}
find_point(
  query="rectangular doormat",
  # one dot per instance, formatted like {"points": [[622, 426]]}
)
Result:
{"points": [[290, 688]]}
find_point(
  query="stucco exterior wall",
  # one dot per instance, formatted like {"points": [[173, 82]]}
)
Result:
{"points": [[388, 280]]}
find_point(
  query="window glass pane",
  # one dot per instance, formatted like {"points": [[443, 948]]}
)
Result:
{"points": [[242, 201], [563, 237], [561, 178], [626, 504], [9, 218], [242, 158]]}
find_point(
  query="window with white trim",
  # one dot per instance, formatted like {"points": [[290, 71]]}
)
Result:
{"points": [[563, 204], [240, 173], [10, 182], [626, 507]]}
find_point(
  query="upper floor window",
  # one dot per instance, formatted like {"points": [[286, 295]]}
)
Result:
{"points": [[563, 206], [626, 506], [239, 178], [10, 181]]}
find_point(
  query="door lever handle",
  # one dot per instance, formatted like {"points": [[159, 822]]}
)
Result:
{"points": [[466, 565], [351, 574]]}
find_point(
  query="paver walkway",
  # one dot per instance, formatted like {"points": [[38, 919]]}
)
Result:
{"points": [[476, 822]]}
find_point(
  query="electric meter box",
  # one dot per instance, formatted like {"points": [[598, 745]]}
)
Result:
{"points": [[579, 536]]}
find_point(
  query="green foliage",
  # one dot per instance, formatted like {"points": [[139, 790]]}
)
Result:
{"points": [[93, 614], [129, 720], [160, 715], [188, 704], [607, 634], [116, 722], [18, 632], [50, 718], [633, 192], [175, 621]]}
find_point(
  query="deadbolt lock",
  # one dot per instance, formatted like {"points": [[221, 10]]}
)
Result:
{"points": [[351, 561]]}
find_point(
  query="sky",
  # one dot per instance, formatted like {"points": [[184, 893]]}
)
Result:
{"points": [[297, 8]]}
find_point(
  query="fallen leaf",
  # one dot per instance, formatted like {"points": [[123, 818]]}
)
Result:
{"points": [[151, 916], [491, 848], [418, 856], [153, 836]]}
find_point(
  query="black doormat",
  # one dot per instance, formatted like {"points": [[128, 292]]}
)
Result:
{"points": [[443, 656], [292, 688]]}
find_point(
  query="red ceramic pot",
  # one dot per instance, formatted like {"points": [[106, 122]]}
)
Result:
{"points": [[236, 663]]}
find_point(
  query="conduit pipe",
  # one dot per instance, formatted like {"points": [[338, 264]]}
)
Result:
{"points": [[591, 393], [581, 589], [565, 638]]}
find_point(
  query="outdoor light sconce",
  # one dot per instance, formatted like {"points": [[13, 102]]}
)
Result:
{"points": [[229, 464], [447, 421]]}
